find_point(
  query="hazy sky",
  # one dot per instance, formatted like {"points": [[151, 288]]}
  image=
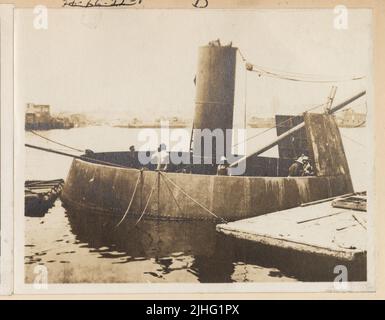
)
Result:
{"points": [[141, 63]]}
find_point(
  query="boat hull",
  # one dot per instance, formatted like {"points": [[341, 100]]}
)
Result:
{"points": [[109, 190]]}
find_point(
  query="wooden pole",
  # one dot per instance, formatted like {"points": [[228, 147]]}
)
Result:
{"points": [[73, 156]]}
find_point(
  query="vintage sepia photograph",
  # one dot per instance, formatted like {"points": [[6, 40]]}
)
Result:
{"points": [[219, 147]]}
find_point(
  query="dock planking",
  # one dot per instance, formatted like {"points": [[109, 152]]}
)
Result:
{"points": [[319, 229]]}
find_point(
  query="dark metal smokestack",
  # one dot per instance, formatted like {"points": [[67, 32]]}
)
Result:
{"points": [[215, 83]]}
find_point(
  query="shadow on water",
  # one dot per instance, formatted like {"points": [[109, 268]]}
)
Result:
{"points": [[214, 256]]}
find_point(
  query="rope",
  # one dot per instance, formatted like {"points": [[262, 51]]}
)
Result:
{"points": [[261, 72], [250, 67], [56, 142], [293, 76], [131, 201], [355, 141], [192, 199], [241, 55], [172, 194], [148, 201]]}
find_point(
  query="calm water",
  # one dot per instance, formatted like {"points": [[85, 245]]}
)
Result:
{"points": [[84, 247]]}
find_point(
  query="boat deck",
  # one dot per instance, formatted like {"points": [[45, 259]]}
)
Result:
{"points": [[319, 229]]}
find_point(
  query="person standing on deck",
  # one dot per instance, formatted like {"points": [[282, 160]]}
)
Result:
{"points": [[133, 159], [161, 158], [296, 169], [307, 167]]}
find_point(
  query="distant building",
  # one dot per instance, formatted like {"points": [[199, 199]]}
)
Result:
{"points": [[43, 109], [349, 119], [38, 117]]}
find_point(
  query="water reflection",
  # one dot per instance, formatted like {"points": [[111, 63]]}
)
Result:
{"points": [[86, 247], [213, 258], [166, 242]]}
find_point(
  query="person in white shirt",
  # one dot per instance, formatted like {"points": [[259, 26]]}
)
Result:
{"points": [[223, 167], [161, 158]]}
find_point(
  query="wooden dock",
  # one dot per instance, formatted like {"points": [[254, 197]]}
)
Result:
{"points": [[40, 195], [319, 228]]}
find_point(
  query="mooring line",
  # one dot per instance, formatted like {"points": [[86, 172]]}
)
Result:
{"points": [[192, 199], [56, 142], [355, 141], [148, 201], [169, 189], [131, 201], [296, 76]]}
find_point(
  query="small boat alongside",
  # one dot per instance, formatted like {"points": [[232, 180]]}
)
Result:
{"points": [[40, 195]]}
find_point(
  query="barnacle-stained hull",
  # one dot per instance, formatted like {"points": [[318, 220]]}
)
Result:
{"points": [[109, 190]]}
